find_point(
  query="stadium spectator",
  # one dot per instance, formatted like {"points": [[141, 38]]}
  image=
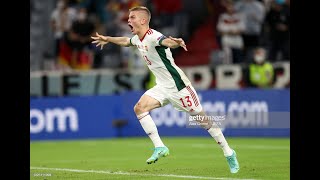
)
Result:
{"points": [[261, 72], [267, 4], [215, 9], [254, 14], [231, 26], [169, 17], [278, 21], [61, 20], [96, 7], [76, 51]]}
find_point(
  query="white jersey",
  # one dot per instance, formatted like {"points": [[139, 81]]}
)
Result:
{"points": [[160, 61]]}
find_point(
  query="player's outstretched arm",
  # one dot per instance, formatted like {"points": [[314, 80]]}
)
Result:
{"points": [[101, 40], [174, 43]]}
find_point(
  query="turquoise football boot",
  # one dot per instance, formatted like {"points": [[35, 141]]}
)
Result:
{"points": [[233, 162], [158, 152]]}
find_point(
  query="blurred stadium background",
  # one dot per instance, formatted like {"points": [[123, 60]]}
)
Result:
{"points": [[82, 123]]}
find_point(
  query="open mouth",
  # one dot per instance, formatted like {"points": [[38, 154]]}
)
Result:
{"points": [[130, 27]]}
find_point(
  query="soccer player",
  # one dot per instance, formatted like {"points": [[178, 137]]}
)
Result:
{"points": [[172, 85]]}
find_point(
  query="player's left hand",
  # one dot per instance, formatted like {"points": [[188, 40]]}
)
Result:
{"points": [[180, 41]]}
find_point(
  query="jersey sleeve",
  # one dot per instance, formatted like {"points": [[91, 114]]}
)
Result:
{"points": [[158, 38], [133, 40]]}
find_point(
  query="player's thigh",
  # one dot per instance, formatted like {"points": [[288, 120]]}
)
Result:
{"points": [[186, 100], [151, 99], [147, 103]]}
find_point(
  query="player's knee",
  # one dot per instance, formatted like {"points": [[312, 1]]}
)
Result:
{"points": [[136, 108], [207, 125], [198, 111], [139, 108]]}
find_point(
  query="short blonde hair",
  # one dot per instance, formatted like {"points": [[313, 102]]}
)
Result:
{"points": [[142, 8]]}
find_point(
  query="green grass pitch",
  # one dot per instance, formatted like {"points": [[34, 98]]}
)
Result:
{"points": [[190, 158]]}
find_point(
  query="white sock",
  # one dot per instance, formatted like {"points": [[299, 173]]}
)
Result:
{"points": [[217, 134], [150, 128]]}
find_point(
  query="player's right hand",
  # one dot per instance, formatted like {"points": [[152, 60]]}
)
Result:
{"points": [[100, 40]]}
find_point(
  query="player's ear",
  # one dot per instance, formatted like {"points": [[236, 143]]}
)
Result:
{"points": [[143, 21]]}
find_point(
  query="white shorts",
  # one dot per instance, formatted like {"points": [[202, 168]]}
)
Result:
{"points": [[185, 100]]}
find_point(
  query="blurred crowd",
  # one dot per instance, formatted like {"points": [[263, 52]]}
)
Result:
{"points": [[73, 22], [242, 27], [247, 24]]}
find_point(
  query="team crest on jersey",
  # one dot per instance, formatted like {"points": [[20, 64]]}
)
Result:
{"points": [[142, 47]]}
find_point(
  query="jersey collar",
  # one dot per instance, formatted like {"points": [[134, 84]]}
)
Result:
{"points": [[145, 34]]}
